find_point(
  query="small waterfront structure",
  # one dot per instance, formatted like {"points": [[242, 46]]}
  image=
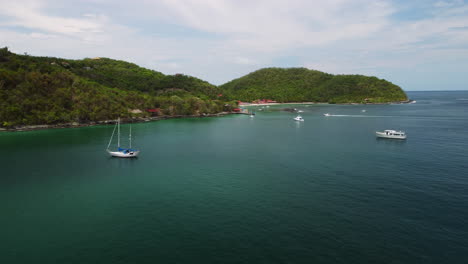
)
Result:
{"points": [[154, 111], [392, 134]]}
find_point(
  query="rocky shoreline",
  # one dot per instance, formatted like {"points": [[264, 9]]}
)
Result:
{"points": [[296, 103], [108, 122], [157, 118]]}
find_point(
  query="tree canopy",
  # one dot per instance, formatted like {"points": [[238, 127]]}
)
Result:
{"points": [[45, 90], [301, 85]]}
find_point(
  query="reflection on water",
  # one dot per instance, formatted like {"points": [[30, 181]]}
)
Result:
{"points": [[324, 190]]}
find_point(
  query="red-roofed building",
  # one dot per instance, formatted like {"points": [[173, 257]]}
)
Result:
{"points": [[154, 111]]}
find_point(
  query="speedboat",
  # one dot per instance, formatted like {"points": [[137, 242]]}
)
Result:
{"points": [[299, 118], [363, 110], [391, 134], [326, 114]]}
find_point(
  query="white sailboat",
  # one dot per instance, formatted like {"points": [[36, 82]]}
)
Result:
{"points": [[122, 152]]}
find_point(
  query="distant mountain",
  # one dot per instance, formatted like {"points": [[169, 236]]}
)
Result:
{"points": [[304, 85], [45, 90]]}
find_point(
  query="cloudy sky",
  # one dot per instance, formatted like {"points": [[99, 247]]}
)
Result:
{"points": [[417, 44]]}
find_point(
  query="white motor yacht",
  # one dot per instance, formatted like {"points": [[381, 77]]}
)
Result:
{"points": [[391, 134], [299, 118]]}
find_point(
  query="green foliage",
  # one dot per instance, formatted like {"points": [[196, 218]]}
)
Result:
{"points": [[129, 76], [302, 85], [43, 90]]}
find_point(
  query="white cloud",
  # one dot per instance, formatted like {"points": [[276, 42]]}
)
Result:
{"points": [[448, 3], [269, 26], [243, 60], [222, 39], [28, 15]]}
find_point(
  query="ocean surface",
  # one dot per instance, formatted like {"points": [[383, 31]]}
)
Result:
{"points": [[237, 189]]}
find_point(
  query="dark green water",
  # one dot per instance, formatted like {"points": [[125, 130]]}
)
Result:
{"points": [[242, 190]]}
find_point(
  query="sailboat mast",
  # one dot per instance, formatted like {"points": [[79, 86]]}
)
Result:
{"points": [[130, 137], [110, 141], [118, 132]]}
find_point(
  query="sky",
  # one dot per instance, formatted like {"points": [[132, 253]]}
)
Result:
{"points": [[416, 44]]}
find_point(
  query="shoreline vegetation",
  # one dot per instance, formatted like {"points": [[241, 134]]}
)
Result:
{"points": [[132, 120], [47, 92], [110, 122], [325, 103]]}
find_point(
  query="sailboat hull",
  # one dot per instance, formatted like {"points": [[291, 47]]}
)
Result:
{"points": [[119, 154]]}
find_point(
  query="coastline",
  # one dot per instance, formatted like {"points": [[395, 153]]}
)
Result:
{"points": [[110, 122], [325, 103], [158, 118]]}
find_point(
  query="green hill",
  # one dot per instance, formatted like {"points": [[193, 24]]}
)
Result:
{"points": [[304, 85], [129, 76], [45, 90]]}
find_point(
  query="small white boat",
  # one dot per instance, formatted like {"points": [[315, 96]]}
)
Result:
{"points": [[299, 118], [391, 134], [326, 114], [300, 111], [363, 110], [122, 152]]}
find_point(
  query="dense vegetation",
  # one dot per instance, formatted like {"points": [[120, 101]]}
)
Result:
{"points": [[302, 85], [43, 90]]}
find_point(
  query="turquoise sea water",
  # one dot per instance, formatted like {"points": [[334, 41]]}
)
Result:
{"points": [[245, 190]]}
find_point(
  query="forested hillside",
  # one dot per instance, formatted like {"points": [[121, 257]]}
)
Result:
{"points": [[44, 90], [301, 85]]}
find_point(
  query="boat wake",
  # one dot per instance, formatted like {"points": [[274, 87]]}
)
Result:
{"points": [[356, 115]]}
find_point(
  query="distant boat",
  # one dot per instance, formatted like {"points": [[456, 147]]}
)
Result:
{"points": [[300, 111], [326, 114], [122, 152], [252, 114], [299, 118], [363, 110], [393, 134]]}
